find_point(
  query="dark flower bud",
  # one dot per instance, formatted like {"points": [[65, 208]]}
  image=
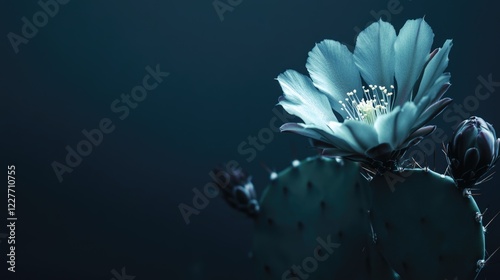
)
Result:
{"points": [[237, 190], [472, 151]]}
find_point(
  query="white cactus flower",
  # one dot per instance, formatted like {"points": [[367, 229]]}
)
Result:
{"points": [[383, 93]]}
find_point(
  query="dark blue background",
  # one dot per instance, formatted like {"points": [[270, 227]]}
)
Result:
{"points": [[119, 207]]}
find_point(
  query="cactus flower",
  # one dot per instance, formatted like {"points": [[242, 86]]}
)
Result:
{"points": [[472, 151], [382, 94]]}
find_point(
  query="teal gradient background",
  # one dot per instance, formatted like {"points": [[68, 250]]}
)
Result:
{"points": [[119, 207]]}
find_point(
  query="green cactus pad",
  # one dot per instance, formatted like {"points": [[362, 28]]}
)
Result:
{"points": [[426, 228], [310, 204]]}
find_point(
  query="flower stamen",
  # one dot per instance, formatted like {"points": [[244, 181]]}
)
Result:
{"points": [[377, 101]]}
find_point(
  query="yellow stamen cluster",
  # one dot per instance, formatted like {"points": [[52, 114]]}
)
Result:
{"points": [[376, 101]]}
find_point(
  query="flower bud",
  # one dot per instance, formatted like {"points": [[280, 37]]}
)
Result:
{"points": [[472, 151], [238, 190]]}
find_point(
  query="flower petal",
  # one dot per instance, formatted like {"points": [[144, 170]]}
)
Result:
{"points": [[342, 132], [334, 152], [304, 130], [320, 144], [317, 133], [471, 159], [374, 53], [303, 100], [485, 143], [395, 127], [442, 90], [404, 123], [431, 112], [417, 136], [439, 88], [411, 142], [434, 70], [422, 132], [332, 69], [385, 125], [411, 51], [435, 92], [364, 134]]}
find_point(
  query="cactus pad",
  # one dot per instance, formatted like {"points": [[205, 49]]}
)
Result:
{"points": [[426, 228], [314, 224]]}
